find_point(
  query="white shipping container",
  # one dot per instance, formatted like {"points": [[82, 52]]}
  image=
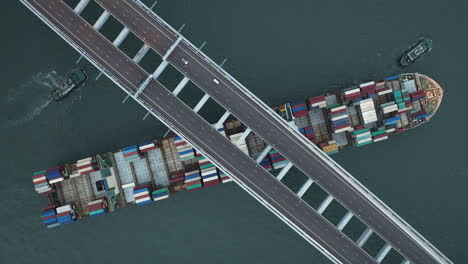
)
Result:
{"points": [[190, 154], [339, 117], [363, 134], [39, 179], [84, 160], [352, 91], [343, 129], [209, 171], [191, 173], [161, 198], [95, 202], [380, 139], [56, 180], [146, 146], [226, 180], [389, 109], [390, 130], [385, 91], [63, 209], [368, 114], [43, 189], [183, 148], [192, 180], [370, 120], [364, 140], [331, 142], [321, 103], [128, 185], [75, 174], [338, 108], [142, 200], [136, 195], [210, 178], [366, 84]]}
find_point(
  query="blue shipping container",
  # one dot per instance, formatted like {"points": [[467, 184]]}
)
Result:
{"points": [[160, 194], [297, 103], [192, 176], [140, 190], [392, 78], [130, 147], [185, 152], [422, 116], [300, 108]]}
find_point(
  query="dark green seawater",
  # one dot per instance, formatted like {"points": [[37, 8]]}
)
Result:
{"points": [[282, 51]]}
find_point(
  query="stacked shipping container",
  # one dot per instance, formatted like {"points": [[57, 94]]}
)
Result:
{"points": [[186, 151], [160, 194], [97, 207], [299, 109], [41, 185], [142, 194], [130, 153], [277, 160]]}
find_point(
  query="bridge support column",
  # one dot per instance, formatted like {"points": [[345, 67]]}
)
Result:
{"points": [[80, 6], [305, 187], [284, 170], [141, 53], [263, 153], [364, 237], [201, 103], [325, 204], [345, 220], [383, 252], [101, 20], [160, 69], [172, 48], [405, 261], [146, 116], [243, 136], [223, 118], [143, 86]]}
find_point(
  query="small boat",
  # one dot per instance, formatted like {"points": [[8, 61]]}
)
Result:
{"points": [[74, 80], [424, 45]]}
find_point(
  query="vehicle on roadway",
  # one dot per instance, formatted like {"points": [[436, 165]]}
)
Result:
{"points": [[184, 61], [215, 81]]}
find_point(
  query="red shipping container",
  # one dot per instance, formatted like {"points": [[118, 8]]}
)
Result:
{"points": [[181, 144], [142, 197], [317, 99], [38, 176], [193, 183], [371, 86], [88, 171], [275, 155], [300, 113], [50, 206], [48, 217], [358, 127], [338, 112], [211, 183], [278, 160], [94, 207], [380, 136], [141, 187], [39, 182], [176, 180], [194, 189], [52, 169], [298, 106], [342, 126], [130, 153], [353, 96], [87, 165], [401, 130], [62, 214]]}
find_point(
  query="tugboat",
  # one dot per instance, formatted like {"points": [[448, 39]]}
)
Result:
{"points": [[74, 80], [424, 45]]}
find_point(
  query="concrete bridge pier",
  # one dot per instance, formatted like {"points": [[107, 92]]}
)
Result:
{"points": [[117, 41], [81, 6], [201, 103], [383, 252], [364, 237], [264, 153], [344, 221], [405, 261], [223, 118], [305, 187], [325, 204], [284, 170]]}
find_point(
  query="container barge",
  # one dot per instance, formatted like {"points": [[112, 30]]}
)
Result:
{"points": [[152, 171]]}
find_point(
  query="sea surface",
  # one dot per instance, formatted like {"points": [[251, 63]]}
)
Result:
{"points": [[282, 51]]}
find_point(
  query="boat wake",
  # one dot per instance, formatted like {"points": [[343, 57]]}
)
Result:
{"points": [[32, 97]]}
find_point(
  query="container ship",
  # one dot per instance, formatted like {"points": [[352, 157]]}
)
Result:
{"points": [[154, 170]]}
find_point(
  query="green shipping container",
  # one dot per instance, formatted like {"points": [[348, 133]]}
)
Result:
{"points": [[96, 212], [379, 132], [360, 131], [39, 172], [194, 186], [332, 106], [206, 166], [160, 191]]}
